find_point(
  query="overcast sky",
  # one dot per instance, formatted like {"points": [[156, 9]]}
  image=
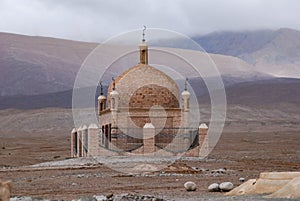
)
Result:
{"points": [[96, 20]]}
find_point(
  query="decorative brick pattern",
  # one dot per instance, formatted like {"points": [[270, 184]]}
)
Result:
{"points": [[143, 95], [93, 139], [150, 95], [139, 76]]}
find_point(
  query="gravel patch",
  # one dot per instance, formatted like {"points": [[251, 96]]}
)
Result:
{"points": [[138, 197]]}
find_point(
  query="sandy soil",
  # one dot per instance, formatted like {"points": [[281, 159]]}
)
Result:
{"points": [[243, 152]]}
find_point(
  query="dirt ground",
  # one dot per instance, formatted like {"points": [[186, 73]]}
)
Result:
{"points": [[242, 151]]}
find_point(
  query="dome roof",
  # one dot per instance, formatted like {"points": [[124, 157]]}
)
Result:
{"points": [[203, 126], [145, 86], [185, 93], [101, 97]]}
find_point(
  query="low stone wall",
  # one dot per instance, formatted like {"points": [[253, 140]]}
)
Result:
{"points": [[148, 145]]}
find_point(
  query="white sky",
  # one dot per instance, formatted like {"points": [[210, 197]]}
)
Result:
{"points": [[96, 20]]}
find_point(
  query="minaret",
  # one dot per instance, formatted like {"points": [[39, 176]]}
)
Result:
{"points": [[143, 50], [114, 108], [185, 105], [186, 115], [114, 97], [101, 100]]}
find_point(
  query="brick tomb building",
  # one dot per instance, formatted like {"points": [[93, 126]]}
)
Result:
{"points": [[141, 114]]}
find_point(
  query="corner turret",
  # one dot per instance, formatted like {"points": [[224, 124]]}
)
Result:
{"points": [[101, 100]]}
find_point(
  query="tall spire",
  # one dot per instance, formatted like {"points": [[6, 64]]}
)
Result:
{"points": [[185, 84], [144, 49], [101, 88], [114, 84], [144, 33], [186, 102]]}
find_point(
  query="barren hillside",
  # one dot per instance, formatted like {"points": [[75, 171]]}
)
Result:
{"points": [[39, 65], [276, 52]]}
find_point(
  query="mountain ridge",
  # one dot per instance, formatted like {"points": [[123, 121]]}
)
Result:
{"points": [[41, 70], [276, 52], [259, 93], [29, 65], [36, 65]]}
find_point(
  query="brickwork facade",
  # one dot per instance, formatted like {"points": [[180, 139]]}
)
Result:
{"points": [[141, 114]]}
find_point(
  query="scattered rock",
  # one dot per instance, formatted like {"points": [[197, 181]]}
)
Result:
{"points": [[136, 197], [124, 175], [109, 195], [241, 179], [27, 198], [21, 199], [100, 197], [200, 169], [87, 199], [219, 171], [214, 187], [80, 176], [74, 184], [196, 169], [226, 186], [190, 186]]}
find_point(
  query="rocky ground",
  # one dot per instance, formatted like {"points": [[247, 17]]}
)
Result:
{"points": [[245, 150]]}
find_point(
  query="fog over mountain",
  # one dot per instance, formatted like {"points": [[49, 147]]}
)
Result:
{"points": [[273, 52], [39, 65], [97, 20], [41, 70], [36, 65]]}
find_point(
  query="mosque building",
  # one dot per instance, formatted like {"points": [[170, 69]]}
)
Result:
{"points": [[141, 114]]}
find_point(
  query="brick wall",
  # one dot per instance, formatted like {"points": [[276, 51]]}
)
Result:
{"points": [[139, 76]]}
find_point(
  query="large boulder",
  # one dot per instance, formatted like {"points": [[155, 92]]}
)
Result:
{"points": [[242, 179], [190, 186], [226, 186], [214, 187]]}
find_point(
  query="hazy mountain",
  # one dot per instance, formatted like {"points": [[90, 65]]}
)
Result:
{"points": [[37, 65], [273, 52], [37, 72], [259, 93], [262, 92], [235, 43]]}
